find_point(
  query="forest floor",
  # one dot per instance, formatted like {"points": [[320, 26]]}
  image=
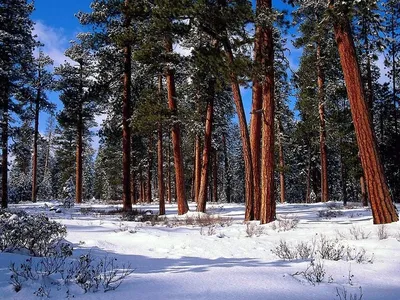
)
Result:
{"points": [[196, 256]]}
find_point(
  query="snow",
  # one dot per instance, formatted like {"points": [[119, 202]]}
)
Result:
{"points": [[185, 262]]}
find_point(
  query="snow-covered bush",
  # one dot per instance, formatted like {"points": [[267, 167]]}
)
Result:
{"points": [[35, 234], [88, 273], [69, 193]]}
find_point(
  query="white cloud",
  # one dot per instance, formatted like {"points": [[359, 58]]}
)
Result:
{"points": [[54, 40]]}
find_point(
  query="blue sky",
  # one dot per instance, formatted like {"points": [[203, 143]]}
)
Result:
{"points": [[56, 26]]}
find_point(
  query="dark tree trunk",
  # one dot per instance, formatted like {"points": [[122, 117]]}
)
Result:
{"points": [[322, 130], [281, 162], [169, 186], [226, 170], [35, 139], [308, 179], [215, 174], [268, 129], [201, 204], [383, 210], [126, 116], [364, 197], [176, 140], [197, 168], [133, 188], [160, 159], [149, 173]]}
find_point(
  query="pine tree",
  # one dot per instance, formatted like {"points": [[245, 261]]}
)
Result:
{"points": [[43, 81], [16, 51]]}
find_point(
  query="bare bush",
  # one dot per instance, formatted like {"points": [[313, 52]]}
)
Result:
{"points": [[314, 273], [285, 251], [285, 223], [343, 294], [358, 233], [329, 214], [382, 232], [253, 229], [208, 230]]}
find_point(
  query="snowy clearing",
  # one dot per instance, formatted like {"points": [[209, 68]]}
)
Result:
{"points": [[177, 258]]}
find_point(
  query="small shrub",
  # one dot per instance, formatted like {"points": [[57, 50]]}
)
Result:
{"points": [[329, 214], [314, 273], [253, 229], [343, 294], [208, 230], [330, 249], [285, 251], [358, 233], [285, 223], [382, 232], [36, 234]]}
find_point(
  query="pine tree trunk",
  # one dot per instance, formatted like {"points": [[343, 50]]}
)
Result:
{"points": [[169, 187], [160, 159], [244, 133], [176, 140], [47, 159], [126, 116], [256, 121], [133, 188], [35, 139], [364, 198], [308, 179], [322, 132], [149, 173], [281, 162], [201, 204], [215, 175], [342, 175], [226, 170], [383, 210], [268, 129], [4, 148], [197, 168]]}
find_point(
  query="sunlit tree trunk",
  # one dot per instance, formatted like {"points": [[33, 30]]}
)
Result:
{"points": [[176, 140], [383, 210], [256, 121], [201, 204], [268, 129]]}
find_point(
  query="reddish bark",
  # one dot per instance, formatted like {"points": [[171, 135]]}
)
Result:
{"points": [[256, 120], [244, 133], [176, 140], [268, 129], [215, 175], [383, 210], [201, 204], [364, 197]]}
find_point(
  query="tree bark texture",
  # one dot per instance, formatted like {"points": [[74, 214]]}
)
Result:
{"points": [[268, 129], [256, 118], [215, 174], [126, 116], [244, 133], [364, 197], [176, 140], [201, 204], [383, 210], [160, 159], [322, 126], [197, 168], [226, 170]]}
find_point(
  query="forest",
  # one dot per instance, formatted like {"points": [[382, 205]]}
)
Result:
{"points": [[170, 79]]}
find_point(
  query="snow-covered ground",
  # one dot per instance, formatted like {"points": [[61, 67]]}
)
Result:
{"points": [[225, 261]]}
